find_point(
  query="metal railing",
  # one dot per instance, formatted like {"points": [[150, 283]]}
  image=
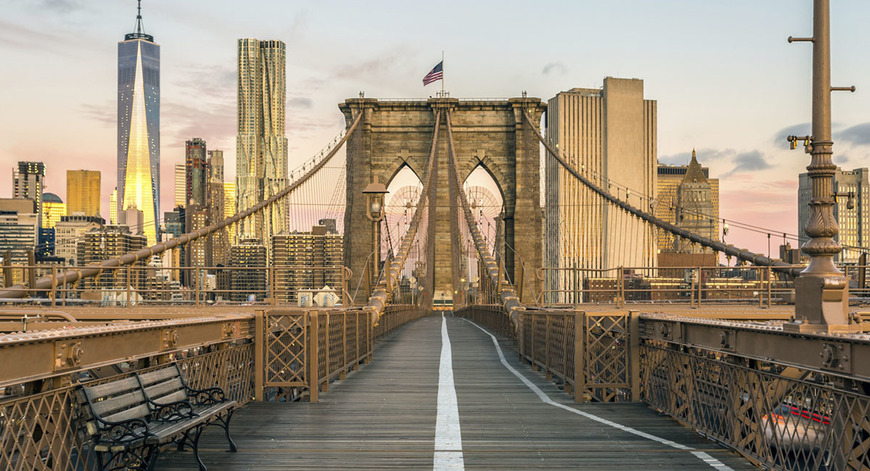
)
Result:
{"points": [[133, 285], [40, 371], [692, 285], [240, 353], [593, 355]]}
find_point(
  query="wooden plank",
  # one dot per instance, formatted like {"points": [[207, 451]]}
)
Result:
{"points": [[383, 417]]}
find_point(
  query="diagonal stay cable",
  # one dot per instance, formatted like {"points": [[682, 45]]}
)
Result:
{"points": [[744, 255], [510, 300]]}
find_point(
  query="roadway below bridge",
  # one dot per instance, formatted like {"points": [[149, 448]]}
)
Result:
{"points": [[444, 394]]}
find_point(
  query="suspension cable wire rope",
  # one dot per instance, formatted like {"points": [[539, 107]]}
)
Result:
{"points": [[72, 276], [508, 297], [743, 255]]}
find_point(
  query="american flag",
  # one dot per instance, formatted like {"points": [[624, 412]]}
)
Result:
{"points": [[437, 73]]}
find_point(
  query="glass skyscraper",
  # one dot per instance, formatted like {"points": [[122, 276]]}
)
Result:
{"points": [[139, 127]]}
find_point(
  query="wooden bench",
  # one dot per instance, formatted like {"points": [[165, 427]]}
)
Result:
{"points": [[129, 420]]}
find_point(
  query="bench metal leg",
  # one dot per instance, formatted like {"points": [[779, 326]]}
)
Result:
{"points": [[142, 459], [198, 431], [224, 423]]}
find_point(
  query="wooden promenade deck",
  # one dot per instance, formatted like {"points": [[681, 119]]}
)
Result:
{"points": [[384, 417]]}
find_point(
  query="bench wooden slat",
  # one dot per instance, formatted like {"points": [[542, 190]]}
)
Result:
{"points": [[138, 412], [115, 404], [160, 375], [170, 398], [156, 391], [112, 388]]}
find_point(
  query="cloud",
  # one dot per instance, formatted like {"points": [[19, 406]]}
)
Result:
{"points": [[748, 162], [858, 135], [106, 113], [554, 67], [212, 81], [300, 102], [61, 6], [780, 137], [215, 122], [704, 156], [383, 65]]}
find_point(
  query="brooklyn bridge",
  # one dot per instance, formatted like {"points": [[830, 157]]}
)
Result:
{"points": [[445, 337]]}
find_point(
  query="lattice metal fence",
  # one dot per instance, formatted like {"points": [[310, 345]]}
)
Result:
{"points": [[304, 349], [779, 416], [40, 431], [593, 354]]}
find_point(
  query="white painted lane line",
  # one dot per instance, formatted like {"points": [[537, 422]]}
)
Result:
{"points": [[448, 435], [713, 462]]}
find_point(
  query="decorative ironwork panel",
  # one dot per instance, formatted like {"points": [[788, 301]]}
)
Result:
{"points": [[779, 416], [286, 356], [606, 353], [38, 431]]}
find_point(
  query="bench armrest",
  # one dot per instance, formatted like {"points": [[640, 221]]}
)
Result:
{"points": [[172, 412], [206, 397], [126, 431]]}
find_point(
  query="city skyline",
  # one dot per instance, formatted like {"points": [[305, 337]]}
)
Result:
{"points": [[726, 81]]}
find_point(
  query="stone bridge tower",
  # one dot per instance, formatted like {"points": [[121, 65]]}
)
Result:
{"points": [[488, 133]]}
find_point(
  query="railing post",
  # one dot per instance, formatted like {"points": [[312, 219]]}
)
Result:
{"points": [[692, 292], [521, 343], [53, 286], [547, 373], [370, 342], [313, 359], [579, 357], [260, 336], [326, 349], [769, 288], [634, 354], [700, 286], [344, 362], [196, 285], [272, 285], [129, 290], [356, 336]]}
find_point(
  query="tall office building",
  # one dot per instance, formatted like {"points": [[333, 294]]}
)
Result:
{"points": [[139, 127], [28, 182], [307, 261], [196, 175], [665, 205], [608, 134], [246, 283], [70, 231], [695, 211], [107, 242], [854, 221], [52, 209], [19, 229], [180, 185], [83, 192], [220, 242], [261, 145], [113, 206]]}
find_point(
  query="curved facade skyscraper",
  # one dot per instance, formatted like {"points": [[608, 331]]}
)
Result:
{"points": [[261, 145], [139, 128]]}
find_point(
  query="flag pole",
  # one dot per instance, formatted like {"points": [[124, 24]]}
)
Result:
{"points": [[442, 73]]}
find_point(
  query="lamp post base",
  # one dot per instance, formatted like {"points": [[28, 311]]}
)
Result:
{"points": [[821, 305]]}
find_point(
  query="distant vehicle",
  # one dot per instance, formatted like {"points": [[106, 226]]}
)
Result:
{"points": [[442, 302], [790, 426]]}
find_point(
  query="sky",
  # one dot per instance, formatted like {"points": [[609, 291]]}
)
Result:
{"points": [[726, 81]]}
